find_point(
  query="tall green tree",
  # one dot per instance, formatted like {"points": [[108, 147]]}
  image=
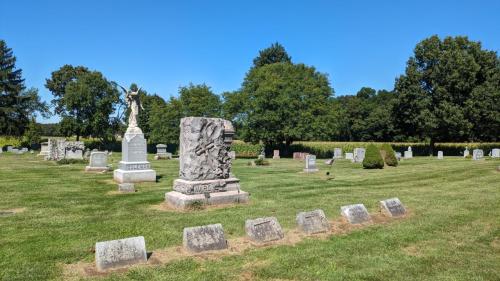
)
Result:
{"points": [[274, 54], [85, 100], [285, 102], [18, 105], [450, 92], [199, 100]]}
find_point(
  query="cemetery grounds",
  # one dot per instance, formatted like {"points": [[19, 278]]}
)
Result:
{"points": [[451, 232]]}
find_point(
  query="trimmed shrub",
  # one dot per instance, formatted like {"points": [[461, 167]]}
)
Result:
{"points": [[373, 159], [388, 155]]}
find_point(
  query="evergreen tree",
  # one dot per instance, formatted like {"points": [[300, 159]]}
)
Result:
{"points": [[17, 105], [274, 54]]}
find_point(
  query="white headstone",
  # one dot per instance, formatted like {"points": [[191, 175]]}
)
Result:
{"points": [[98, 162], [337, 153], [310, 164], [440, 155], [477, 154], [349, 156], [495, 153], [408, 154], [359, 155]]}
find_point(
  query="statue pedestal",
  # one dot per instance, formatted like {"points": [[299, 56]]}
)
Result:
{"points": [[134, 166]]}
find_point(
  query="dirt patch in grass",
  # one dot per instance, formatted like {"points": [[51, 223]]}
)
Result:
{"points": [[496, 243], [236, 246], [11, 212]]}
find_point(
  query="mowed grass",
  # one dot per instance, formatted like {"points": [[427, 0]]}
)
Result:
{"points": [[452, 233]]}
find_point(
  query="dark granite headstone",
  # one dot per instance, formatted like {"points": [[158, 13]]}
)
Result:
{"points": [[392, 207]]}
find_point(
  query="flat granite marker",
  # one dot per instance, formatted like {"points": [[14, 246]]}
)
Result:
{"points": [[355, 214], [313, 222], [204, 238], [119, 253], [392, 207], [264, 230]]}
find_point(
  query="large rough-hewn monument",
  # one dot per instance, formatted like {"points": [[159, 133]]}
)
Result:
{"points": [[205, 164], [134, 166]]}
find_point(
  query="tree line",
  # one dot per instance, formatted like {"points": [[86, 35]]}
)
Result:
{"points": [[450, 91]]}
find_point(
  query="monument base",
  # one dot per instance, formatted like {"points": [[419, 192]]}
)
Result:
{"points": [[123, 176], [311, 170], [184, 201], [90, 169]]}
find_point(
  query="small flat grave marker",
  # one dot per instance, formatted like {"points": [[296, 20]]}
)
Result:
{"points": [[204, 238], [355, 214], [126, 187], [119, 253], [392, 207], [313, 222], [264, 230]]}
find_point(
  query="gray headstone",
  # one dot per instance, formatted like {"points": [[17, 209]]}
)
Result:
{"points": [[477, 154], [495, 153], [264, 229], [440, 155], [349, 156], [126, 187], [134, 148], [204, 238], [99, 159], [409, 148], [313, 222], [355, 214], [161, 148], [9, 148], [119, 253], [392, 207], [310, 164]]}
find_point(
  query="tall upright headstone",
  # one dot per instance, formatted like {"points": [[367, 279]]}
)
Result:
{"points": [[409, 153], [359, 155], [477, 154], [440, 155], [337, 153], [134, 166], [205, 165], [276, 154], [310, 164], [495, 153], [161, 152]]}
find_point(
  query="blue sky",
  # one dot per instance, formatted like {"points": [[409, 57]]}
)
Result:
{"points": [[161, 45]]}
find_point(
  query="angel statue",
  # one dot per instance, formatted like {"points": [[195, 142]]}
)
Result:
{"points": [[133, 102]]}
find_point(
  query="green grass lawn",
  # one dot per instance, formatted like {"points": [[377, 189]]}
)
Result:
{"points": [[452, 232]]}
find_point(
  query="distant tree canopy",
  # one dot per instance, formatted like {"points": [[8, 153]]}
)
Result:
{"points": [[85, 100], [18, 106], [450, 92], [274, 54]]}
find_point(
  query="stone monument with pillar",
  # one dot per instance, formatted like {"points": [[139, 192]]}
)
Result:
{"points": [[205, 165], [134, 166]]}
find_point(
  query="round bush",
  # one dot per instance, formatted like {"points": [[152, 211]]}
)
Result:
{"points": [[373, 159], [388, 155]]}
